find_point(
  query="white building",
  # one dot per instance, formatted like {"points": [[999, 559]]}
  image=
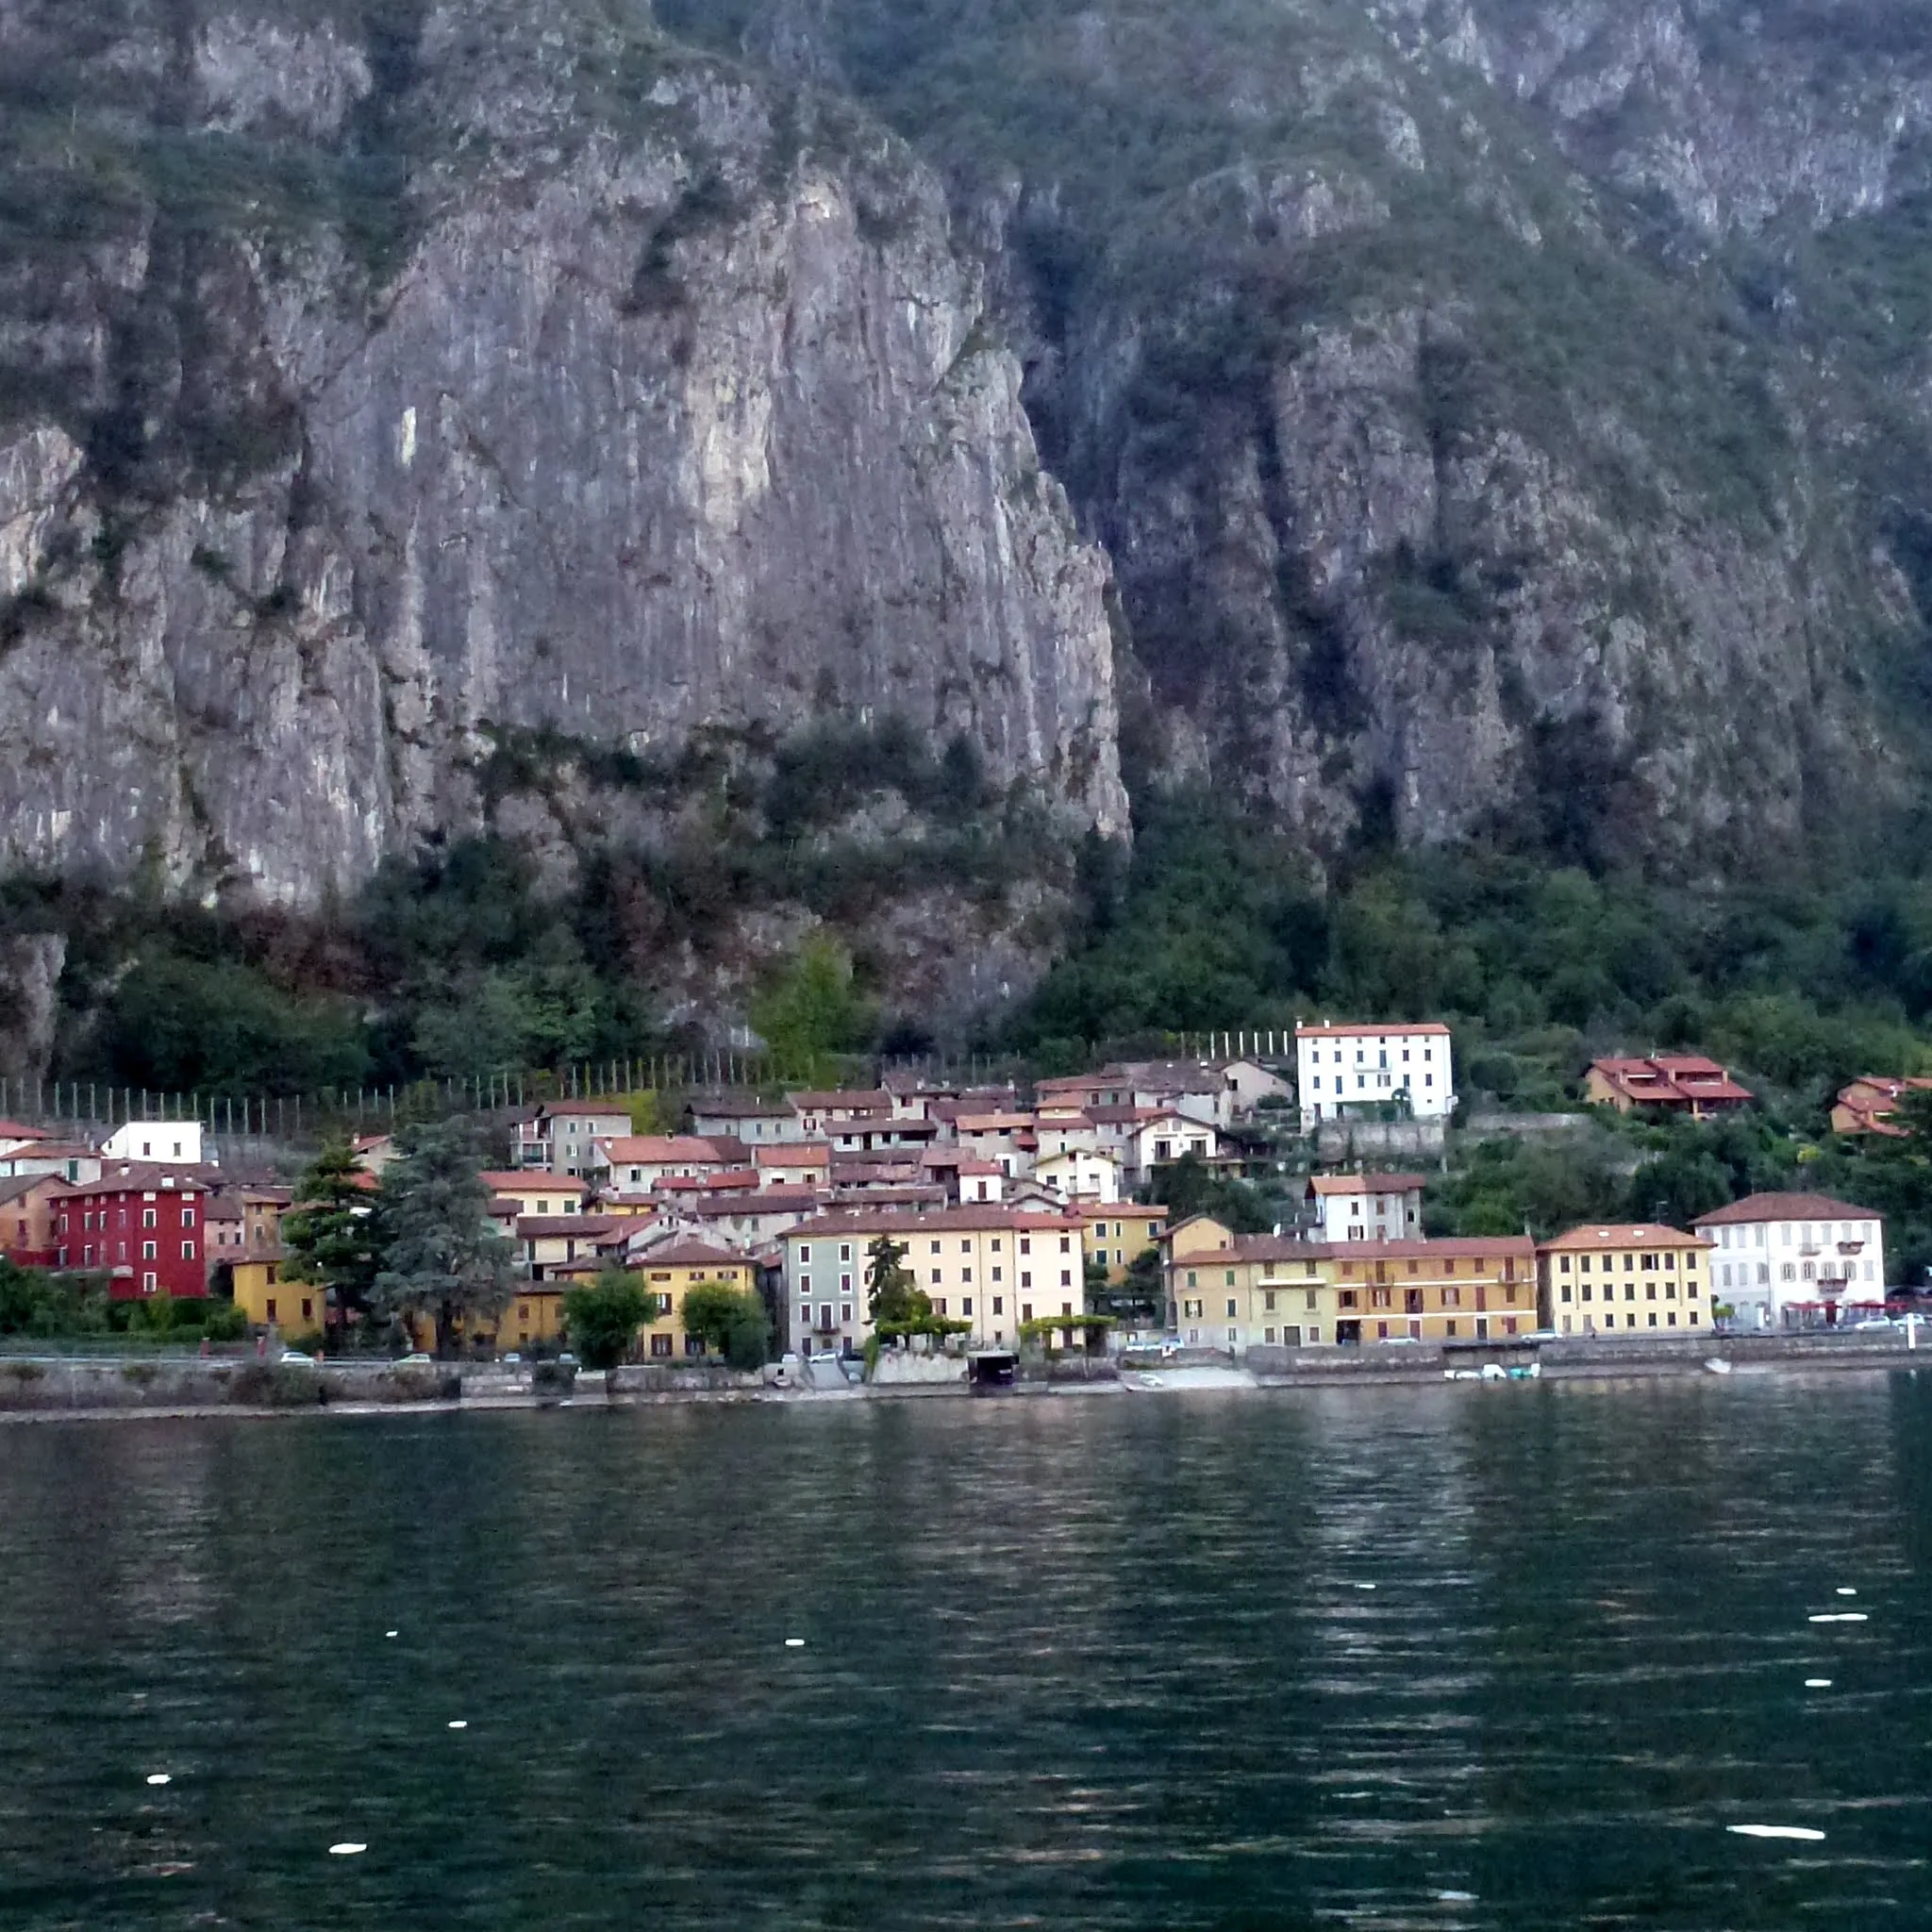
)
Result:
{"points": [[1344, 1070], [1085, 1176], [1786, 1260], [559, 1140], [1366, 1207], [169, 1141], [1164, 1134]]}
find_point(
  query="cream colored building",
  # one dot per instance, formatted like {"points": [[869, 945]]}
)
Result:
{"points": [[1624, 1279], [995, 1267], [1236, 1293]]}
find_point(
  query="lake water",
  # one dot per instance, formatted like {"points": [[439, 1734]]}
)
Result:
{"points": [[1107, 1662]]}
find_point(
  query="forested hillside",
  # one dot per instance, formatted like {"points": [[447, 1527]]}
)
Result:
{"points": [[527, 527]]}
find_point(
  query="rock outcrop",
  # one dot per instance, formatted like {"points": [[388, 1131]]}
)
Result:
{"points": [[387, 384], [1470, 393]]}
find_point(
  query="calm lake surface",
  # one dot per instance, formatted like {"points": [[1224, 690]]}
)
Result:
{"points": [[1110, 1661]]}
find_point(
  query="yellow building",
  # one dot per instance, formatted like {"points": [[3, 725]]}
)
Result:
{"points": [[994, 1266], [1619, 1279], [533, 1316], [1118, 1234], [294, 1307], [670, 1272], [1236, 1293], [1477, 1289]]}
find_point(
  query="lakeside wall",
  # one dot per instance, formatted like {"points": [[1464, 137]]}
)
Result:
{"points": [[46, 1386]]}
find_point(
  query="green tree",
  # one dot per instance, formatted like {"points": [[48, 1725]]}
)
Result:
{"points": [[730, 1321], [1189, 1186], [812, 1010], [1140, 1301], [1675, 1188], [332, 1233], [444, 1260], [602, 1318], [893, 1297], [22, 1296]]}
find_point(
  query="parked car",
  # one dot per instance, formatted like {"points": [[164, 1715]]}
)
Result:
{"points": [[415, 1359], [293, 1358]]}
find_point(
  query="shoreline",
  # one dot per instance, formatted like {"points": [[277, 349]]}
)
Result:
{"points": [[1350, 1373]]}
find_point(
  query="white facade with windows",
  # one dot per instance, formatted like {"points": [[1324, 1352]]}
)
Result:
{"points": [[1793, 1261], [1340, 1071], [163, 1140]]}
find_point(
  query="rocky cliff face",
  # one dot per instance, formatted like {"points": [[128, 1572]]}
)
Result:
{"points": [[375, 378], [1483, 416], [1510, 514], [1468, 392]]}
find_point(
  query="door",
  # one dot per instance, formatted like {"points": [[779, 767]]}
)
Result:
{"points": [[1348, 1333]]}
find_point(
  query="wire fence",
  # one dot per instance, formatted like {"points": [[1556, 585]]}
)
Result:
{"points": [[266, 1123]]}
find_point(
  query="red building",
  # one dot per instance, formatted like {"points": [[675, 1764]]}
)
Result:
{"points": [[142, 1226]]}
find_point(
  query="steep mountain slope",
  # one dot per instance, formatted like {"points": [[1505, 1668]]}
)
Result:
{"points": [[1471, 394], [378, 380]]}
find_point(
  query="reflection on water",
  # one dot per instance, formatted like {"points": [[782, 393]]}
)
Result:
{"points": [[1439, 1657]]}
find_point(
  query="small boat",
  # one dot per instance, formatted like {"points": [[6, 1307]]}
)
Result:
{"points": [[1718, 1366]]}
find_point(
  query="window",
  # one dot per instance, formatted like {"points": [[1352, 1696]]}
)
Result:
{"points": [[271, 1308], [147, 1284], [188, 1217], [148, 1250], [966, 1304], [999, 1305], [660, 1344], [187, 1251], [1230, 1305], [147, 1218]]}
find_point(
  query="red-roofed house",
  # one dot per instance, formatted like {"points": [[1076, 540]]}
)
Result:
{"points": [[1344, 1070], [1673, 1083], [636, 1164], [1365, 1207], [28, 1219], [1867, 1106], [1782, 1260]]}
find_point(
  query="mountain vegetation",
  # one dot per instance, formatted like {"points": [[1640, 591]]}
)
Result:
{"points": [[1463, 466]]}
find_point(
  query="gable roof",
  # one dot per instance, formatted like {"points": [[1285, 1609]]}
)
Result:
{"points": [[1622, 1235], [17, 1186], [1393, 1029], [638, 1150], [1777, 1206], [691, 1254], [1366, 1183]]}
